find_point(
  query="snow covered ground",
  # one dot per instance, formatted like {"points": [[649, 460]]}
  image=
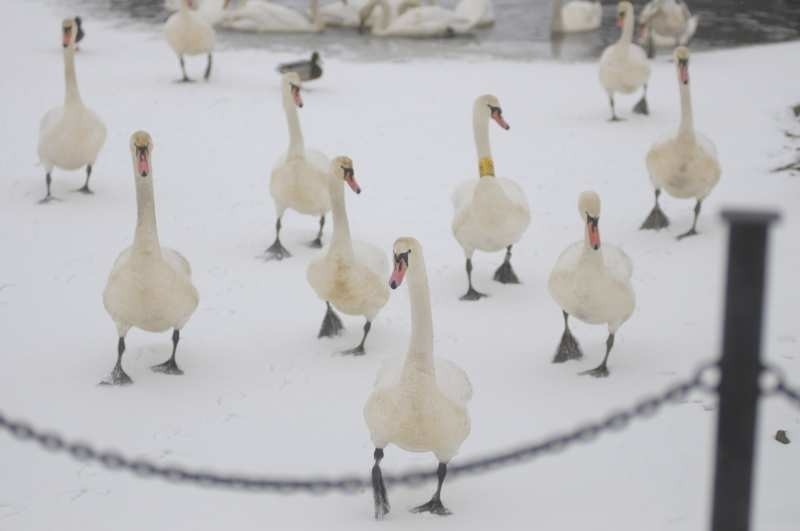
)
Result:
{"points": [[262, 395]]}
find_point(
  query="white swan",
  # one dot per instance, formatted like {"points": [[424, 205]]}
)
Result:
{"points": [[299, 178], [188, 33], [666, 23], [349, 276], [346, 13], [423, 21], [468, 8], [269, 17], [150, 286], [623, 66], [593, 284], [209, 10], [71, 135], [491, 213], [576, 16], [685, 164], [419, 404]]}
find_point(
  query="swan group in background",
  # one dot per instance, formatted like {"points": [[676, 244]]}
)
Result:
{"points": [[684, 164], [188, 33], [491, 213], [150, 287], [591, 282], [350, 275], [576, 16], [270, 17], [419, 404], [666, 23], [299, 178], [623, 66], [422, 21], [71, 135]]}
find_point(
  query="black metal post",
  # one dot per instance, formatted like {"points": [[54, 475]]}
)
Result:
{"points": [[740, 368]]}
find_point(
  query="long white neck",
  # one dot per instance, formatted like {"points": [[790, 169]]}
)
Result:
{"points": [[686, 130], [386, 14], [72, 95], [626, 37], [297, 147], [480, 128], [420, 349], [184, 6], [313, 9], [145, 241], [341, 243]]}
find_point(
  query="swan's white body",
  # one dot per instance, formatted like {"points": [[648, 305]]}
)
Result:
{"points": [[299, 178], [423, 21], [71, 135], [351, 276], [189, 33], [667, 23], [419, 403], [269, 17], [483, 9], [576, 16], [210, 10], [624, 67], [491, 213]]}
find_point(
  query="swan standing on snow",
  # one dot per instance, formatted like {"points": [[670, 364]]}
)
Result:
{"points": [[686, 164], [150, 286], [623, 65], [188, 33], [593, 284], [666, 23], [492, 213], [422, 21], [70, 136], [300, 178], [419, 405], [576, 16], [349, 277], [269, 17]]}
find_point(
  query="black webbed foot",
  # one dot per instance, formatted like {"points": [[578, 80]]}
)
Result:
{"points": [[601, 371], [331, 324], [568, 348], [656, 220], [276, 251], [473, 295], [690, 232], [434, 507], [505, 273], [168, 367], [641, 107]]}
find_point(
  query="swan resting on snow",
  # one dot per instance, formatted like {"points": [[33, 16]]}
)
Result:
{"points": [[593, 284], [189, 33], [350, 276], [684, 164], [150, 287], [666, 23], [420, 403], [271, 17], [422, 21], [623, 66], [576, 16], [491, 213], [71, 135]]}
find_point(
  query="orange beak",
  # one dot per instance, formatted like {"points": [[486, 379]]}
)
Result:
{"points": [[594, 233], [298, 100], [67, 38], [620, 21], [497, 116]]}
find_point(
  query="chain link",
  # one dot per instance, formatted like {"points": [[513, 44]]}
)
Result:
{"points": [[586, 433]]}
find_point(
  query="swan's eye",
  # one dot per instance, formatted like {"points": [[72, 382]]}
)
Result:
{"points": [[348, 172], [496, 110], [402, 258]]}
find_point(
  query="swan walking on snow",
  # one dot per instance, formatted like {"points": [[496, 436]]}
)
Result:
{"points": [[491, 213], [593, 284], [300, 178], [576, 16], [189, 33], [666, 23], [70, 136], [420, 404], [350, 276], [623, 65], [686, 164], [150, 286]]}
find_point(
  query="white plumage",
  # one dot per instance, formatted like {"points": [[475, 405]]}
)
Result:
{"points": [[270, 17], [576, 16], [189, 33], [423, 21], [667, 23]]}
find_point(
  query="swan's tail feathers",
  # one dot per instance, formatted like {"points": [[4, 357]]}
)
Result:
{"points": [[379, 488], [656, 220], [505, 273], [568, 347], [331, 324]]}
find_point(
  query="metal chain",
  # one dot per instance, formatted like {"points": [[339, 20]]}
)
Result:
{"points": [[647, 407]]}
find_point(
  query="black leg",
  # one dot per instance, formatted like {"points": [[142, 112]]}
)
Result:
{"points": [[601, 371], [317, 243], [614, 117], [47, 198], [207, 75], [331, 324], [185, 78], [378, 487], [277, 251], [118, 375], [505, 273], [358, 350], [651, 45], [568, 348], [471, 294], [641, 107], [170, 366], [85, 188], [693, 230], [435, 505], [656, 220]]}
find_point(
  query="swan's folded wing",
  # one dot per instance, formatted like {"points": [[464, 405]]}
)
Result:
{"points": [[513, 191], [569, 257], [618, 263], [121, 259], [319, 160], [50, 118], [463, 194], [453, 381], [372, 257], [177, 261]]}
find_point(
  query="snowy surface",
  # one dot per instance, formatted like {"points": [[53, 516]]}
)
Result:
{"points": [[262, 395]]}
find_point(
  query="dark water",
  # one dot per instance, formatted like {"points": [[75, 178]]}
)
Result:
{"points": [[522, 30]]}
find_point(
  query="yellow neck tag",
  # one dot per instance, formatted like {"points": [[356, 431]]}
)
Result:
{"points": [[486, 167]]}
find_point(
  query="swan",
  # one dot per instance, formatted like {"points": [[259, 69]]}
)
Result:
{"points": [[299, 179], [423, 21], [623, 65], [150, 286], [575, 16], [420, 404], [269, 17], [209, 10], [666, 23], [468, 8], [593, 284], [491, 213], [349, 277], [71, 135], [188, 33], [345, 13], [685, 164]]}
